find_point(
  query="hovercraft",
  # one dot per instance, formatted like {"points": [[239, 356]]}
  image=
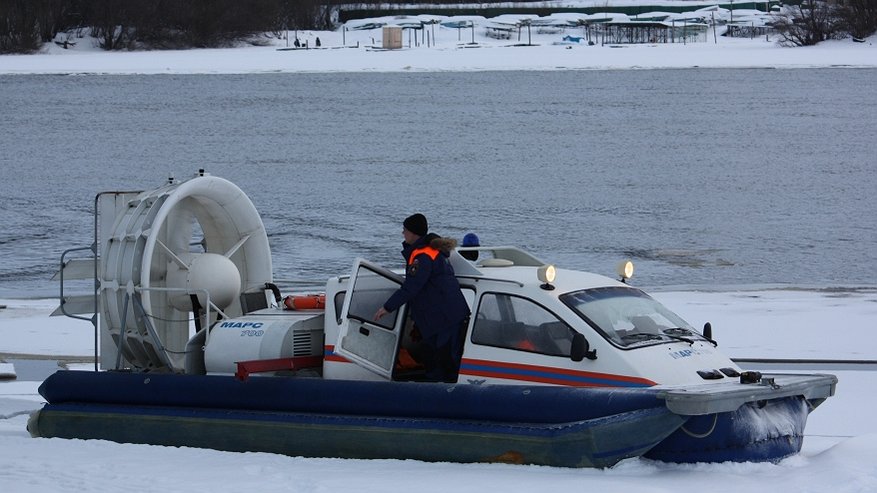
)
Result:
{"points": [[195, 346]]}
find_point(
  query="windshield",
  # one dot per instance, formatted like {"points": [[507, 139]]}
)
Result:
{"points": [[629, 317]]}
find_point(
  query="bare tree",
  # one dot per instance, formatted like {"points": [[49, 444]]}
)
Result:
{"points": [[307, 14], [52, 17], [859, 17], [808, 23], [19, 27], [111, 23]]}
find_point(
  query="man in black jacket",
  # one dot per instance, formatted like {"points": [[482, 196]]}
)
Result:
{"points": [[433, 294]]}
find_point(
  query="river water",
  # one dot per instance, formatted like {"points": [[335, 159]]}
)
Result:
{"points": [[702, 177]]}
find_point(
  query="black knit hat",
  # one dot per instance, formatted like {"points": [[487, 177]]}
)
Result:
{"points": [[416, 223]]}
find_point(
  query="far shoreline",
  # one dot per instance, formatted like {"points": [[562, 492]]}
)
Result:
{"points": [[545, 54]]}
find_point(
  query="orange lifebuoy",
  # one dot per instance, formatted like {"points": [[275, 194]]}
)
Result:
{"points": [[305, 302]]}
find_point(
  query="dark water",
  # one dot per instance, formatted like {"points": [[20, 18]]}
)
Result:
{"points": [[701, 176]]}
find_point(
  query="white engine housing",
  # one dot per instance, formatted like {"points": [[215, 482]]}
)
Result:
{"points": [[263, 335]]}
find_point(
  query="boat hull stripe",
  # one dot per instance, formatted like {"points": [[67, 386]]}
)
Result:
{"points": [[330, 355], [545, 374], [531, 373]]}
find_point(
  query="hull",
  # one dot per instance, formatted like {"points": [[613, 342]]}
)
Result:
{"points": [[555, 426]]}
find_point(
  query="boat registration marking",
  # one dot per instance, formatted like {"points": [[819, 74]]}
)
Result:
{"points": [[687, 353]]}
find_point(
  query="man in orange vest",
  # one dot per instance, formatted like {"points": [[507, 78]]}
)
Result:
{"points": [[433, 295]]}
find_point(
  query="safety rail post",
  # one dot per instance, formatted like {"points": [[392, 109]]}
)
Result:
{"points": [[62, 301]]}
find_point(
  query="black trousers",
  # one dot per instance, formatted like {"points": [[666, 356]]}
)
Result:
{"points": [[442, 362]]}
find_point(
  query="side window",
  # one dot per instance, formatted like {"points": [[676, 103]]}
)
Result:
{"points": [[517, 323], [339, 304]]}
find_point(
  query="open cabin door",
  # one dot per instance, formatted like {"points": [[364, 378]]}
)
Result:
{"points": [[362, 340]]}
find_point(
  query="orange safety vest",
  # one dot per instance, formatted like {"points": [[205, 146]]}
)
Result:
{"points": [[432, 252]]}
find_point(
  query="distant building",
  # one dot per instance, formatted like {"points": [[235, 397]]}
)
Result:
{"points": [[392, 37]]}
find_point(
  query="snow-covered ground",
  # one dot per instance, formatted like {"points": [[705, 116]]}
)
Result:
{"points": [[449, 49], [840, 451]]}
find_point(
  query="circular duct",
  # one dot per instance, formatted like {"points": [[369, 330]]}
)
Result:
{"points": [[200, 237]]}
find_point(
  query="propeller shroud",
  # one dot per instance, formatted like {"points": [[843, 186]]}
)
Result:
{"points": [[151, 263]]}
